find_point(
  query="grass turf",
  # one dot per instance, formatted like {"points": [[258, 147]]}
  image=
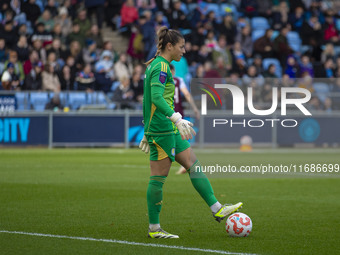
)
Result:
{"points": [[101, 193]]}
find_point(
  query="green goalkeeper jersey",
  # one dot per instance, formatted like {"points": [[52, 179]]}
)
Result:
{"points": [[158, 99]]}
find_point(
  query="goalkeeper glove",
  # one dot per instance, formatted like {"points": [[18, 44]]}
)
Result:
{"points": [[184, 127], [144, 145]]}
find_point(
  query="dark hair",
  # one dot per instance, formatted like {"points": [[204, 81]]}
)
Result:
{"points": [[165, 36]]}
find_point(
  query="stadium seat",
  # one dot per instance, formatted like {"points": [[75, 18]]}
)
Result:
{"points": [[259, 23], [22, 101], [96, 98], [322, 90], [294, 41], [256, 34], [267, 61], [76, 99], [39, 100], [337, 24], [229, 8], [305, 48], [337, 50]]}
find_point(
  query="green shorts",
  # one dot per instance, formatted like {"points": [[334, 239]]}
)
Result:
{"points": [[162, 147]]}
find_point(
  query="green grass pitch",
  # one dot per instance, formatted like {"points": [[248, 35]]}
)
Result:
{"points": [[101, 193]]}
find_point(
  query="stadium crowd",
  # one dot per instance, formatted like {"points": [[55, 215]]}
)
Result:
{"points": [[56, 45]]}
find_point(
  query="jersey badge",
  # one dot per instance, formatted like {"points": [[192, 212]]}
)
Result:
{"points": [[162, 77]]}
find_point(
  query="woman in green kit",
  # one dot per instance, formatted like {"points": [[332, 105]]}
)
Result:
{"points": [[166, 134]]}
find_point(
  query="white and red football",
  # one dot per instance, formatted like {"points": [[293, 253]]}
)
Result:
{"points": [[239, 224]]}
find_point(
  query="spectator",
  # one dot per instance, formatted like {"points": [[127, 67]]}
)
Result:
{"points": [[18, 67], [47, 20], [210, 42], [29, 63], [9, 79], [76, 35], [83, 22], [222, 50], [228, 28], [64, 21], [177, 17], [129, 14], [22, 48], [280, 16], [52, 60], [249, 8], [86, 80], [258, 64], [264, 45], [251, 78], [238, 53], [96, 7], [108, 46], [210, 71], [204, 55], [96, 36], [8, 32], [292, 68], [19, 16], [57, 33], [330, 32], [148, 31], [51, 7], [41, 34], [311, 30], [76, 52], [66, 78], [124, 94], [37, 46], [137, 87], [197, 37], [32, 11], [91, 54], [328, 52], [33, 80], [55, 103], [246, 42], [297, 18], [3, 51], [104, 71], [306, 66], [270, 72], [265, 8], [112, 11], [50, 80], [57, 50], [123, 67], [281, 47], [161, 20]]}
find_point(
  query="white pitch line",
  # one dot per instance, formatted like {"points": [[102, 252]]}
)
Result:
{"points": [[124, 242]]}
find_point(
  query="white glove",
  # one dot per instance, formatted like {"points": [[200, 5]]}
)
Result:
{"points": [[184, 127], [144, 145]]}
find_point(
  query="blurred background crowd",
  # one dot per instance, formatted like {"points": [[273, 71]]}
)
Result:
{"points": [[58, 45]]}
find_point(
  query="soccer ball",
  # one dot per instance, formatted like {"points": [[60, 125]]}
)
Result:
{"points": [[239, 224]]}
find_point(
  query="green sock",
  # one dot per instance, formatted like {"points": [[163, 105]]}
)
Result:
{"points": [[154, 197], [201, 183]]}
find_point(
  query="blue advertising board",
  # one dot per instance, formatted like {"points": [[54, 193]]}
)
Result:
{"points": [[21, 131]]}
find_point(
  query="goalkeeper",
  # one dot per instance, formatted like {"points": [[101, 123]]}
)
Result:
{"points": [[166, 134]]}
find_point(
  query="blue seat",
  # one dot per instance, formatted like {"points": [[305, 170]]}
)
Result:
{"points": [[22, 101], [256, 34], [322, 90], [76, 100], [96, 98], [268, 61], [39, 100], [259, 23], [229, 8], [337, 24], [294, 41]]}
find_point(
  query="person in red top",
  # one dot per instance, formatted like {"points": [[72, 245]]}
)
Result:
{"points": [[180, 87], [129, 13]]}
